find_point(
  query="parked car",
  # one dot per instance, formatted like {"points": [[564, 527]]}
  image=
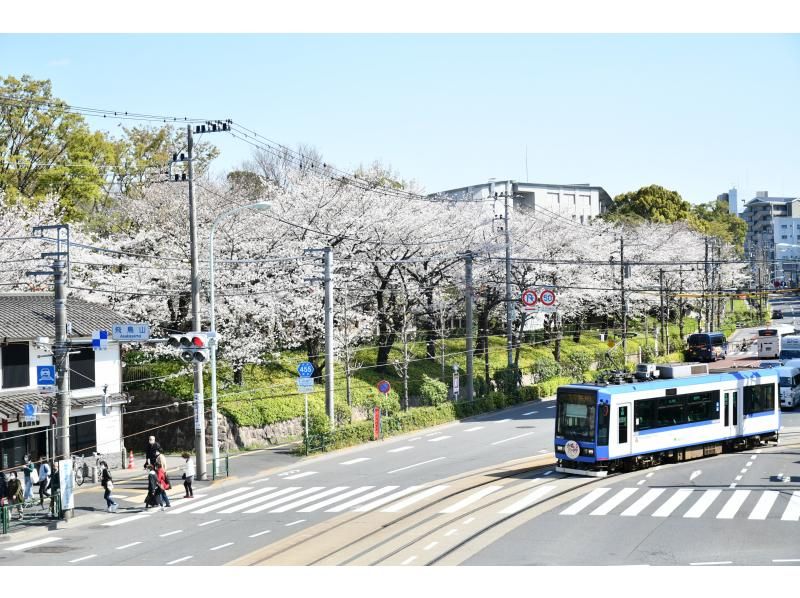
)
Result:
{"points": [[777, 314]]}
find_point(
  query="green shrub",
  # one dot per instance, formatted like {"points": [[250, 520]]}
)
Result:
{"points": [[508, 379], [548, 387], [544, 367], [432, 392], [575, 362]]}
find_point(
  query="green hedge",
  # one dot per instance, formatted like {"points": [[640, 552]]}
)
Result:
{"points": [[547, 388], [432, 392]]}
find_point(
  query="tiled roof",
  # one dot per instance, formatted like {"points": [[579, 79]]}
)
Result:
{"points": [[28, 315], [12, 404]]}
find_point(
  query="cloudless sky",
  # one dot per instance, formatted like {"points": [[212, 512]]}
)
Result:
{"points": [[694, 113]]}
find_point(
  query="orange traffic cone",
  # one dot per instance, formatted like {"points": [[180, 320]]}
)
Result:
{"points": [[130, 460]]}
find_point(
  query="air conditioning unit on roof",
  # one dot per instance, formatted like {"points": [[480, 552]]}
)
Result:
{"points": [[682, 370]]}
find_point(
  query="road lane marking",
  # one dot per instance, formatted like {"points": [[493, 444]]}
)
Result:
{"points": [[764, 505], [451, 532], [32, 544], [84, 558], [543, 451], [126, 519], [439, 438], [431, 545], [297, 476], [585, 501], [208, 522], [400, 449], [732, 485], [260, 499], [528, 499], [474, 429], [640, 482], [530, 413], [266, 531], [124, 546], [733, 504], [714, 563], [749, 463], [474, 497], [261, 480], [408, 560], [222, 546], [786, 560], [193, 506], [744, 470], [330, 501], [284, 499], [352, 461], [641, 504], [792, 511], [512, 438], [614, 501], [649, 475], [387, 499], [548, 472], [295, 522], [308, 499], [177, 531], [218, 505], [360, 499], [695, 474], [500, 421], [416, 464], [754, 457], [412, 499], [698, 508], [673, 503], [186, 558], [413, 439], [432, 434], [552, 407], [468, 521]]}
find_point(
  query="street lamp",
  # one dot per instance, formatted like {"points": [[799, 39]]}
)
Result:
{"points": [[261, 205]]}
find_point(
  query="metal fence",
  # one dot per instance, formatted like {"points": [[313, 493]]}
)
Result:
{"points": [[28, 513]]}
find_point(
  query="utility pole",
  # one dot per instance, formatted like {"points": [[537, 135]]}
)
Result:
{"points": [[680, 303], [199, 410], [624, 306], [61, 358], [705, 290], [346, 351], [468, 299], [327, 254], [509, 304], [661, 313]]}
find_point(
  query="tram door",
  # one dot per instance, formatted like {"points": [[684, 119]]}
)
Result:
{"points": [[624, 423], [730, 412]]}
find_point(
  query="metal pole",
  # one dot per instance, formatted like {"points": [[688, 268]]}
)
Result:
{"points": [[213, 351], [347, 352], [61, 356], [705, 290], [305, 396], [509, 304], [661, 297], [199, 415], [624, 307], [328, 279], [468, 298]]}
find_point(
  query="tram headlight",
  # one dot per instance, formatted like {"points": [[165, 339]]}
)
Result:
{"points": [[559, 448], [588, 451]]}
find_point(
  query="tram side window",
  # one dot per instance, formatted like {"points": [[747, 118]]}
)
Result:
{"points": [[602, 425], [701, 407], [759, 398], [670, 412], [663, 412]]}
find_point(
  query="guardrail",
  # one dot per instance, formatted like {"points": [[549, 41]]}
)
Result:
{"points": [[53, 511]]}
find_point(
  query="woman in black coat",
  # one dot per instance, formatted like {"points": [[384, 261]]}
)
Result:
{"points": [[153, 488]]}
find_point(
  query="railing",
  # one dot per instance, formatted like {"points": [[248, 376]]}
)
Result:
{"points": [[54, 510], [214, 473]]}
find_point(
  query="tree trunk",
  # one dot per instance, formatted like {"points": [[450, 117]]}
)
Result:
{"points": [[238, 376], [522, 320]]}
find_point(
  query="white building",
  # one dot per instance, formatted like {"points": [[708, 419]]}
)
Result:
{"points": [[773, 234], [731, 197], [95, 379], [580, 203]]}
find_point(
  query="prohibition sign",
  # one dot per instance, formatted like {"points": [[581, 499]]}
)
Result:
{"points": [[547, 297], [529, 298]]}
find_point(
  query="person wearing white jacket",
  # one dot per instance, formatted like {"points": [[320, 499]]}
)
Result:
{"points": [[188, 474]]}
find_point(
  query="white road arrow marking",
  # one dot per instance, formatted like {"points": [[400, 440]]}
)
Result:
{"points": [[695, 474]]}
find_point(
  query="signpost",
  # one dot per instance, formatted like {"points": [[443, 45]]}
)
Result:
{"points": [[29, 413], [100, 340], [384, 387], [539, 300], [305, 384], [376, 423], [131, 331], [46, 375]]}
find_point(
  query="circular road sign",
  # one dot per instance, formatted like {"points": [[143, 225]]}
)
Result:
{"points": [[305, 369], [384, 387], [529, 298], [547, 297]]}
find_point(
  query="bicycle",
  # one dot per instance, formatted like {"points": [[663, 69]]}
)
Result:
{"points": [[78, 463]]}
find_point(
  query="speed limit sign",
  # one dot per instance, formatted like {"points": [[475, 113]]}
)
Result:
{"points": [[547, 297]]}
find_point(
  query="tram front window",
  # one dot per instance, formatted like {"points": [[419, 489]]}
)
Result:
{"points": [[575, 414]]}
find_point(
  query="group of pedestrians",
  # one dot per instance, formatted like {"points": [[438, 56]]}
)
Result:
{"points": [[17, 492], [158, 482]]}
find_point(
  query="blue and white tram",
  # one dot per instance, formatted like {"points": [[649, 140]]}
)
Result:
{"points": [[606, 428]]}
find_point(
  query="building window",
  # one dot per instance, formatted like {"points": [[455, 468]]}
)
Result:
{"points": [[15, 358], [552, 199], [783, 226], [569, 199], [784, 237], [81, 370], [83, 435]]}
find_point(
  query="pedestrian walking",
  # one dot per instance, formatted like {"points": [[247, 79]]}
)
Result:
{"points": [[3, 488], [153, 488], [45, 471], [163, 482], [55, 489], [151, 451], [188, 474], [15, 494], [108, 484], [161, 460], [28, 471]]}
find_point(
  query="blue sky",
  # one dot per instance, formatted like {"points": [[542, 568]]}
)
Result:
{"points": [[695, 113]]}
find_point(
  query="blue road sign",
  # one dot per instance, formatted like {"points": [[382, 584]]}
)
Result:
{"points": [[45, 375], [305, 369], [384, 387], [29, 410]]}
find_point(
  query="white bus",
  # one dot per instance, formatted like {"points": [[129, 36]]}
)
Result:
{"points": [[790, 347], [769, 343], [789, 386]]}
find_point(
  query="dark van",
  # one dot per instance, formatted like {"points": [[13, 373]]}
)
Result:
{"points": [[706, 346]]}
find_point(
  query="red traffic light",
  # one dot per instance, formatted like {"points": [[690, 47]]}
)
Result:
{"points": [[198, 342]]}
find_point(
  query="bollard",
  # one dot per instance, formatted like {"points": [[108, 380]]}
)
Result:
{"points": [[227, 465], [94, 475], [4, 519]]}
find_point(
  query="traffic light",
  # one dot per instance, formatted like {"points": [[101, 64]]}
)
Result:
{"points": [[192, 346]]}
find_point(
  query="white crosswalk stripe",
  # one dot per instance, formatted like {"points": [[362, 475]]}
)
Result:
{"points": [[698, 508], [733, 504], [792, 511], [335, 499], [614, 501], [230, 501], [673, 503], [308, 499], [360, 499], [413, 499], [280, 501], [201, 503], [474, 497], [530, 498], [762, 508], [585, 501], [641, 504], [260, 499], [386, 499]]}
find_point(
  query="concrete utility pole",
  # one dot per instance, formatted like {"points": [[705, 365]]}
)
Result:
{"points": [[705, 292], [199, 411], [328, 280], [661, 313], [61, 359], [509, 304], [622, 294], [468, 299]]}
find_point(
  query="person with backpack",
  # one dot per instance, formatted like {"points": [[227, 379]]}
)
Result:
{"points": [[55, 489], [28, 472], [44, 481], [15, 494], [108, 484], [163, 482], [188, 474]]}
